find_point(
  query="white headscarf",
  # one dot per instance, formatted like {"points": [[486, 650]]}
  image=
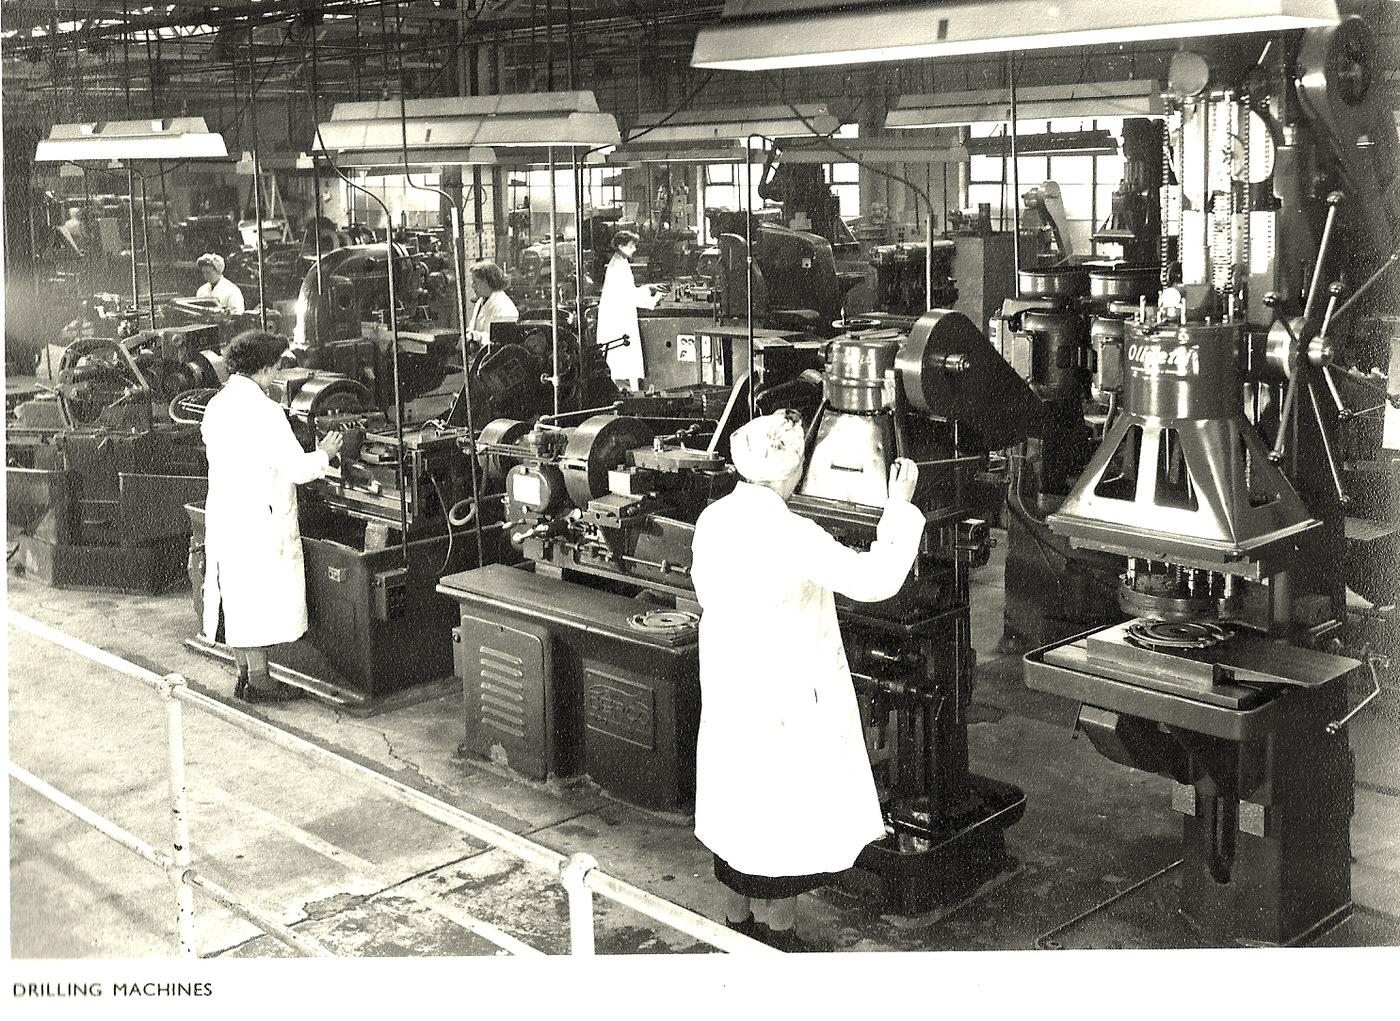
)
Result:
{"points": [[210, 259], [770, 447]]}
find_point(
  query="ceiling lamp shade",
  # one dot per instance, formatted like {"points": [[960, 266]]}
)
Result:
{"points": [[993, 106], [757, 35], [720, 152], [174, 139], [878, 150], [737, 124], [463, 129], [1098, 142]]}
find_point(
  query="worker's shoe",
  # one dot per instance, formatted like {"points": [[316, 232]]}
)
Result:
{"points": [[256, 694], [788, 942], [750, 927]]}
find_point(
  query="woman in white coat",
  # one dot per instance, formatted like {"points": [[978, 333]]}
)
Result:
{"points": [[217, 286], [617, 312], [784, 793], [493, 304], [254, 571]]}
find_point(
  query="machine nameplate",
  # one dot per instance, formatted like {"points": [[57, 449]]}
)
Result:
{"points": [[1154, 360], [620, 708]]}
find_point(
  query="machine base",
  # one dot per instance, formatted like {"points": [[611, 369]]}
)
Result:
{"points": [[140, 570], [912, 882], [329, 690]]}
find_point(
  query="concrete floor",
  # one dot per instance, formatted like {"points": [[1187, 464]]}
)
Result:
{"points": [[374, 879]]}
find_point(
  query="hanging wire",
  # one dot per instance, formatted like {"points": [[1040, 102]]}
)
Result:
{"points": [[460, 272]]}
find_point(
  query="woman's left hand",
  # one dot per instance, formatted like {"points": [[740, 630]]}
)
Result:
{"points": [[331, 444]]}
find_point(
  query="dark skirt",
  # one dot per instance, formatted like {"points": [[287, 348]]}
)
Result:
{"points": [[769, 887]]}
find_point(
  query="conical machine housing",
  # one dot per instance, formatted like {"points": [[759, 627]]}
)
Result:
{"points": [[1182, 476]]}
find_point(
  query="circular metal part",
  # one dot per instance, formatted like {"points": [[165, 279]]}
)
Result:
{"points": [[1320, 353], [1120, 282], [667, 622], [856, 368], [856, 324], [1281, 352], [1060, 282], [539, 488], [597, 446], [1175, 608], [330, 395], [985, 392], [1187, 371], [1350, 57], [1188, 74], [502, 431], [1178, 634]]}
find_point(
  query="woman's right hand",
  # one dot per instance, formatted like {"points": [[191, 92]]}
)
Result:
{"points": [[904, 477], [331, 444]]}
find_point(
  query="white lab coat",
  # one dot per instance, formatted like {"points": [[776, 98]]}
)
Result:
{"points": [[494, 308], [225, 292], [253, 550], [617, 317], [783, 781]]}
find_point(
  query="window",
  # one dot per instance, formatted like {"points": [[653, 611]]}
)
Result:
{"points": [[1086, 181]]}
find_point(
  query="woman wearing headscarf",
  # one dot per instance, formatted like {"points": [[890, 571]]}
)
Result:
{"points": [[217, 286], [493, 304], [617, 311], [784, 793], [254, 571]]}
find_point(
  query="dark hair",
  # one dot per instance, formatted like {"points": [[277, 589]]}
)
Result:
{"points": [[622, 237], [253, 351], [492, 275]]}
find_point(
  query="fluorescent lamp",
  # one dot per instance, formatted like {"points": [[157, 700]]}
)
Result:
{"points": [[1076, 143], [878, 150], [174, 139], [738, 124], [1055, 102], [464, 129], [756, 35]]}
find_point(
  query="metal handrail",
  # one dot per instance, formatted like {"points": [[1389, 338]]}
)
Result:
{"points": [[579, 873]]}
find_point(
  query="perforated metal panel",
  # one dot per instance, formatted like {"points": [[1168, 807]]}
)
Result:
{"points": [[505, 695]]}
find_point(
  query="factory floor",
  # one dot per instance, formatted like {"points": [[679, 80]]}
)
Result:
{"points": [[371, 878]]}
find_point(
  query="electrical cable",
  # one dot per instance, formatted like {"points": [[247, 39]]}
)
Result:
{"points": [[447, 517]]}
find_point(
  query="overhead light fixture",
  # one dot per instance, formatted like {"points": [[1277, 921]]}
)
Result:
{"points": [[878, 150], [738, 123], [1099, 142], [1052, 102], [637, 155], [463, 129], [104, 141], [757, 35]]}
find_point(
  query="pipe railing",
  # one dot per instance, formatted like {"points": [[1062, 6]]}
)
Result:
{"points": [[579, 873]]}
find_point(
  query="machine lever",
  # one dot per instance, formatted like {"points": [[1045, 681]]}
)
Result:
{"points": [[1342, 496], [1285, 420], [1373, 661], [1334, 199]]}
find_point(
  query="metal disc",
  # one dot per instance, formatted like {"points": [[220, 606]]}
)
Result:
{"points": [[597, 446], [664, 621]]}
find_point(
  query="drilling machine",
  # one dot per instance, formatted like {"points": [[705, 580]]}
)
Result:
{"points": [[565, 669], [940, 395], [97, 473], [399, 509], [584, 658], [1218, 487]]}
